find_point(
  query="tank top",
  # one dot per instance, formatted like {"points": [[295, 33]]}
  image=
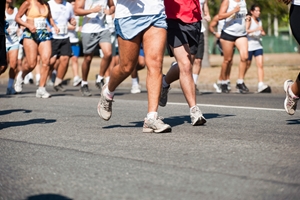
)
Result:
{"points": [[296, 2], [94, 22], [254, 38], [235, 24], [188, 11], [12, 36], [61, 14], [33, 12], [127, 8], [202, 7], [220, 25]]}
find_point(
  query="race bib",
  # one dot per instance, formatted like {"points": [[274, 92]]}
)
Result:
{"points": [[40, 23], [63, 29]]}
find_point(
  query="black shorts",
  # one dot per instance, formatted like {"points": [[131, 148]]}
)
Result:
{"points": [[200, 50], [294, 17], [3, 61], [180, 33], [226, 36], [61, 47]]}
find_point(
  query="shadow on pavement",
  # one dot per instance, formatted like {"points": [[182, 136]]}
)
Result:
{"points": [[48, 197], [4, 125], [6, 112], [293, 121]]}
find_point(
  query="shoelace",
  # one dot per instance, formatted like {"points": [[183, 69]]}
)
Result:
{"points": [[107, 104]]}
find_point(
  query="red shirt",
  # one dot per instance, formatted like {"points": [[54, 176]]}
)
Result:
{"points": [[187, 11]]}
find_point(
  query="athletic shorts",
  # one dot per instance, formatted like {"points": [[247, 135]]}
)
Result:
{"points": [[75, 49], [200, 51], [39, 36], [61, 47], [142, 53], [180, 33], [91, 40], [226, 36], [257, 52], [3, 61], [129, 27], [13, 47], [294, 17]]}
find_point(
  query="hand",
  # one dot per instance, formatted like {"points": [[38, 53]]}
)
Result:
{"points": [[217, 35], [207, 18], [73, 21], [32, 28], [56, 29], [237, 8], [96, 9]]}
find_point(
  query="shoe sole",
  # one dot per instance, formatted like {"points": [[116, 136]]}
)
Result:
{"points": [[285, 88], [200, 121], [166, 129]]}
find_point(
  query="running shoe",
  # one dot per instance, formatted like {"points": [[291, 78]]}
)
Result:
{"points": [[76, 81], [100, 84], [135, 89], [156, 125], [218, 88], [264, 89], [19, 84], [10, 91], [59, 87], [104, 107], [290, 102], [224, 88], [85, 91], [42, 93], [197, 118], [242, 88]]}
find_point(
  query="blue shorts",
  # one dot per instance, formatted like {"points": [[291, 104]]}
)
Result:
{"points": [[257, 52], [129, 27], [14, 47], [75, 49], [39, 36]]}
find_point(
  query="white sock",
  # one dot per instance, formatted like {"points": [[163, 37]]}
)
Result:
{"points": [[260, 84], [228, 81], [83, 83], [223, 82], [76, 77], [30, 76], [99, 78], [107, 79], [57, 81], [108, 93], [240, 81], [219, 82], [195, 77], [10, 83], [37, 77], [20, 74], [191, 108], [152, 115], [134, 81], [165, 84]]}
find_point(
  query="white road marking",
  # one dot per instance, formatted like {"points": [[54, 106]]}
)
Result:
{"points": [[223, 106]]}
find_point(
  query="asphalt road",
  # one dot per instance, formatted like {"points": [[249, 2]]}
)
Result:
{"points": [[59, 148]]}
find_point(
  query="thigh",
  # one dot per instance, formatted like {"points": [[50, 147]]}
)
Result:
{"points": [[242, 45], [129, 51], [227, 47], [31, 50], [45, 50], [154, 40]]}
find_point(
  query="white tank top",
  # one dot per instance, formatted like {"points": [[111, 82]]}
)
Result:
{"points": [[202, 14], [73, 35], [94, 22], [235, 24], [220, 25], [127, 8], [61, 14], [296, 2], [12, 38], [254, 38]]}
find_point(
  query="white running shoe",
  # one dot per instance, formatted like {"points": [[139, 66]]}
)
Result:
{"points": [[135, 89], [76, 81], [42, 93], [19, 84], [290, 102]]}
